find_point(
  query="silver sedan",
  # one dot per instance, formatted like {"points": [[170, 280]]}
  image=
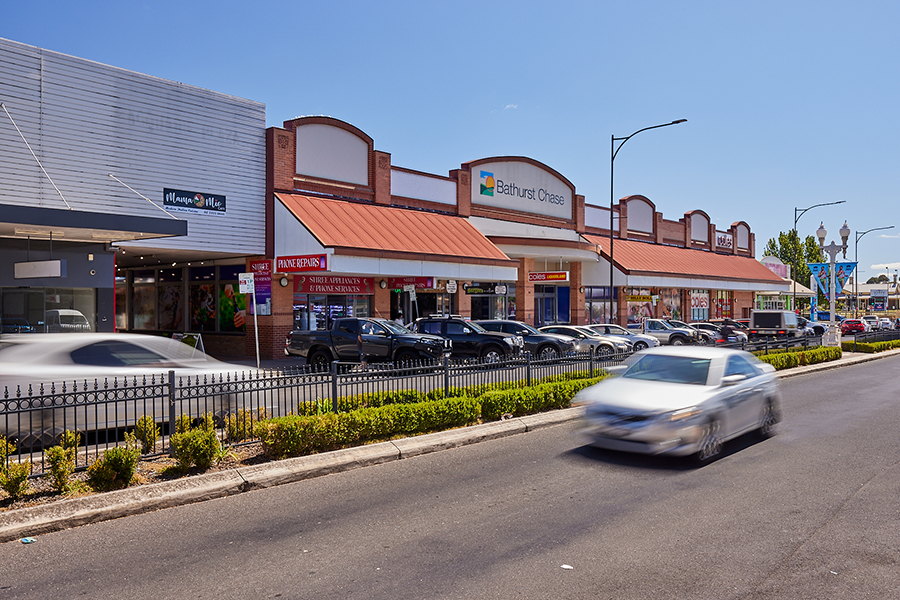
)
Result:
{"points": [[682, 401]]}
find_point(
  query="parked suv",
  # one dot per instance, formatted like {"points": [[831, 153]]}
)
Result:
{"points": [[471, 340], [537, 343]]}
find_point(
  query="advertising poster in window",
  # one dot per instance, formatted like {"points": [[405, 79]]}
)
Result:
{"points": [[232, 308], [203, 307], [671, 301]]}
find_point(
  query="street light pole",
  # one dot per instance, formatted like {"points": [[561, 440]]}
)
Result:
{"points": [[856, 260], [613, 151], [794, 251], [833, 336]]}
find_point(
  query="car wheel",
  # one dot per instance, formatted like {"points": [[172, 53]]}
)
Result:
{"points": [[548, 353], [405, 360], [768, 421], [491, 354], [677, 341], [638, 346], [605, 350], [710, 442], [320, 360]]}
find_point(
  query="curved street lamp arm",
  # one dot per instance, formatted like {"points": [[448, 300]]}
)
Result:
{"points": [[859, 234], [625, 139], [803, 210]]}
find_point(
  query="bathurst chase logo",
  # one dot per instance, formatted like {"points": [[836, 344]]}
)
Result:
{"points": [[487, 184]]}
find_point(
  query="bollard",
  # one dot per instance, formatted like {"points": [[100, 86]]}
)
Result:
{"points": [[172, 419]]}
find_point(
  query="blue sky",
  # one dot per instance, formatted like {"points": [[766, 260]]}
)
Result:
{"points": [[788, 104]]}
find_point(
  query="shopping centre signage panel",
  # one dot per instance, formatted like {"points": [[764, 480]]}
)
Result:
{"points": [[551, 276], [334, 284], [521, 186], [299, 264]]}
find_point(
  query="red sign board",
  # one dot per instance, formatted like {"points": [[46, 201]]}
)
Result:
{"points": [[421, 283], [550, 276], [334, 284], [299, 264]]}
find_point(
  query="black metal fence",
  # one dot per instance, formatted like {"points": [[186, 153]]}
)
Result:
{"points": [[103, 410]]}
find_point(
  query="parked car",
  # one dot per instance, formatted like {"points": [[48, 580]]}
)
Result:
{"points": [[872, 321], [586, 339], [471, 340], [706, 338], [17, 325], [667, 333], [32, 365], [853, 326], [639, 341], [810, 328], [382, 340], [885, 324], [716, 330], [538, 343], [682, 401]]}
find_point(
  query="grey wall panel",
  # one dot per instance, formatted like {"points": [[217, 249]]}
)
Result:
{"points": [[85, 120]]}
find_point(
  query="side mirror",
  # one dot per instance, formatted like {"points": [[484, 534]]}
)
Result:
{"points": [[730, 380]]}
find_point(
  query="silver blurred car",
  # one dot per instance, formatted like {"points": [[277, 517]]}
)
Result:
{"points": [[638, 340], [682, 401], [89, 381]]}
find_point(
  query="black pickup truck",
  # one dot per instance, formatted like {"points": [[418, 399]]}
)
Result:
{"points": [[383, 341]]}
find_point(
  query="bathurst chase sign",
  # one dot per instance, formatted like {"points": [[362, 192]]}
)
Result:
{"points": [[521, 186]]}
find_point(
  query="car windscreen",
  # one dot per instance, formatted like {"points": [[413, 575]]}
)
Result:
{"points": [[670, 369], [394, 327]]}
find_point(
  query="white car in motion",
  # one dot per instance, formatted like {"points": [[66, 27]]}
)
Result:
{"points": [[682, 401]]}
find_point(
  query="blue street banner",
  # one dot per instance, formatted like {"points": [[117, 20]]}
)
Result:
{"points": [[822, 275]]}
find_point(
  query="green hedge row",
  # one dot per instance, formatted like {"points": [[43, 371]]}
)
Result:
{"points": [[787, 360], [870, 347], [297, 435]]}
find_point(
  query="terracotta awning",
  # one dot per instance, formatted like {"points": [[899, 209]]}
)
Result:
{"points": [[642, 258], [372, 230]]}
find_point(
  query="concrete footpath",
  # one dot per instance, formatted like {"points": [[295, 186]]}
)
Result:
{"points": [[64, 514]]}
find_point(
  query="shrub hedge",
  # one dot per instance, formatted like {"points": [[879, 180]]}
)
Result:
{"points": [[296, 435], [787, 360], [870, 347]]}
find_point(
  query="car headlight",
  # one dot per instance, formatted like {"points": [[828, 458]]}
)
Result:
{"points": [[510, 340], [683, 414]]}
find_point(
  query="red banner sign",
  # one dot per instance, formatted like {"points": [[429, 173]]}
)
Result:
{"points": [[298, 264], [421, 283], [550, 276], [334, 284]]}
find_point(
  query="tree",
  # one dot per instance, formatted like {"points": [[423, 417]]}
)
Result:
{"points": [[880, 279]]}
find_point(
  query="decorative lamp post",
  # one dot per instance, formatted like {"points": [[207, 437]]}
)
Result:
{"points": [[833, 335], [614, 150], [798, 212], [859, 235]]}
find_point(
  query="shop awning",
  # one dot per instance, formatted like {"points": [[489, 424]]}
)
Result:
{"points": [[643, 263], [368, 230]]}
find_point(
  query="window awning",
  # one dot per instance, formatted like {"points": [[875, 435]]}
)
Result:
{"points": [[369, 230], [641, 262]]}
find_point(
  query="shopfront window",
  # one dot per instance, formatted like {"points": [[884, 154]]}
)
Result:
{"points": [[640, 304], [699, 305], [671, 303], [317, 312], [144, 303], [596, 304], [48, 310], [722, 304], [551, 304]]}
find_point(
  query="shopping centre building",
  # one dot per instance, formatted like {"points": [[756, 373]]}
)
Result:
{"points": [[324, 220]]}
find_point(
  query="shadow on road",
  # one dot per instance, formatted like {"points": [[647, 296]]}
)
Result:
{"points": [[588, 453]]}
